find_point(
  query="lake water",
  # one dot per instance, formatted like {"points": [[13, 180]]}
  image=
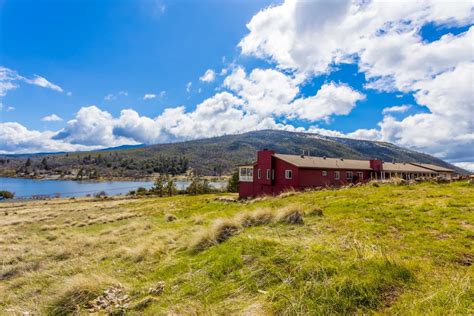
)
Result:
{"points": [[26, 188]]}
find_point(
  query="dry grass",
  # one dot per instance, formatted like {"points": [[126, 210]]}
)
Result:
{"points": [[75, 294], [220, 231], [291, 215], [262, 216]]}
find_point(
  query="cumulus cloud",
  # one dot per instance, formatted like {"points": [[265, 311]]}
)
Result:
{"points": [[396, 109], [208, 76], [188, 86], [331, 99], [52, 118], [15, 138]]}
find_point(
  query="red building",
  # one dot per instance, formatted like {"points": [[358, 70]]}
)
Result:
{"points": [[273, 173]]}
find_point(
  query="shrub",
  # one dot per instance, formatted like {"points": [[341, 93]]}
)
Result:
{"points": [[142, 191], [6, 194], [100, 194], [290, 215], [232, 184]]}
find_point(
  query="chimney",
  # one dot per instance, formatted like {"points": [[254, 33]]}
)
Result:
{"points": [[302, 155], [324, 157]]}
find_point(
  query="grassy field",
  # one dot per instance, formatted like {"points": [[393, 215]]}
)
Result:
{"points": [[375, 250]]}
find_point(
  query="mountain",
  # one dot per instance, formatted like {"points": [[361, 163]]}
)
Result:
{"points": [[220, 155]]}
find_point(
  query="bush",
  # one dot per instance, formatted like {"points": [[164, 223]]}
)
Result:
{"points": [[198, 186], [232, 184], [6, 195], [100, 194], [142, 191]]}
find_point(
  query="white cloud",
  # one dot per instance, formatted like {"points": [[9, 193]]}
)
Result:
{"points": [[396, 109], [208, 76], [188, 86], [266, 91], [110, 97], [465, 165], [149, 96], [331, 99], [9, 80], [15, 138], [52, 118], [10, 108], [91, 127], [43, 82]]}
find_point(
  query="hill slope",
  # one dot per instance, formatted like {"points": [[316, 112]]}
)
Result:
{"points": [[220, 155], [373, 250]]}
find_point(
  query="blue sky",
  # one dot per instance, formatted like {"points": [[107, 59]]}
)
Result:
{"points": [[289, 65]]}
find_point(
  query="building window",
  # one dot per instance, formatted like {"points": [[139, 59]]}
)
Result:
{"points": [[349, 175], [259, 173], [288, 174], [268, 174], [325, 173], [273, 174], [360, 174], [336, 175]]}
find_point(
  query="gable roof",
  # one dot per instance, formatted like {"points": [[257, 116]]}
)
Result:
{"points": [[324, 163], [403, 167], [432, 167]]}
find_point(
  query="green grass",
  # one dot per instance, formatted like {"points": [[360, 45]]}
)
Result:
{"points": [[375, 250]]}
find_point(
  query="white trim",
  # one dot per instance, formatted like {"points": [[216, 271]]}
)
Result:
{"points": [[289, 174]]}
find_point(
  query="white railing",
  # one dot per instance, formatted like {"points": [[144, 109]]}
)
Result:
{"points": [[245, 179], [246, 174]]}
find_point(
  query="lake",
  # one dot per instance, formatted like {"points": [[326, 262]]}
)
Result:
{"points": [[26, 188]]}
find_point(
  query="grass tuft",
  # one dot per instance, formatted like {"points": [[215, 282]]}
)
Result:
{"points": [[222, 230], [259, 217], [75, 295], [290, 215]]}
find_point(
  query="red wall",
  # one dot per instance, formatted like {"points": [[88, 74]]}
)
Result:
{"points": [[302, 178]]}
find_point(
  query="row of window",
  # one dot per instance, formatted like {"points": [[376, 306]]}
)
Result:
{"points": [[289, 174]]}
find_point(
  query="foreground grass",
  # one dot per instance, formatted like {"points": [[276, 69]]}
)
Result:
{"points": [[382, 250]]}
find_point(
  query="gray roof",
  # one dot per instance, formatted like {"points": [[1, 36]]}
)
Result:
{"points": [[324, 163], [403, 167], [433, 167]]}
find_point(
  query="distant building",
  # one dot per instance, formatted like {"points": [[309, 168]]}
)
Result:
{"points": [[273, 173]]}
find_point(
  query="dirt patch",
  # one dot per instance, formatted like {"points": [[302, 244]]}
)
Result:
{"points": [[389, 295]]}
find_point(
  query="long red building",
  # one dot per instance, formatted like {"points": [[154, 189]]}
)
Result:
{"points": [[274, 173]]}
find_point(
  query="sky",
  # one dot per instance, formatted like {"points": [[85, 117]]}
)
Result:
{"points": [[84, 74]]}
